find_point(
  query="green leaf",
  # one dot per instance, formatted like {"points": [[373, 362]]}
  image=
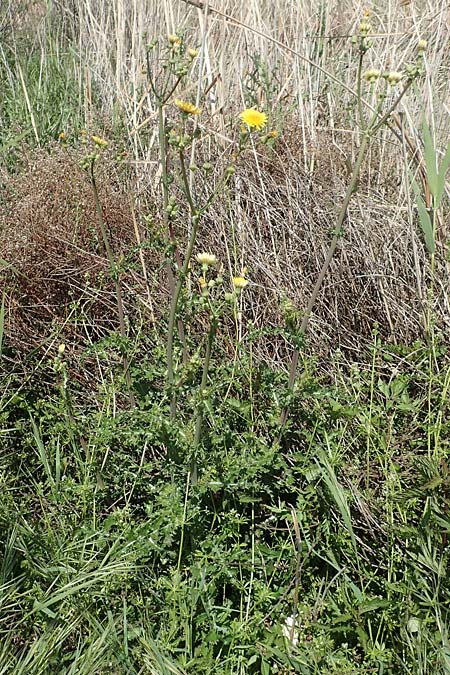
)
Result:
{"points": [[4, 264], [425, 220], [430, 159], [339, 497]]}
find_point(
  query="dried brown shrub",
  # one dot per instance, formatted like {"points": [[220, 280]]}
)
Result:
{"points": [[50, 238]]}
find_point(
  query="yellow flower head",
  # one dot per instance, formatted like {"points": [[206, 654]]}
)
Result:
{"points": [[272, 134], [240, 282], [192, 52], [254, 118], [62, 135], [100, 142], [186, 107], [208, 259], [202, 282]]}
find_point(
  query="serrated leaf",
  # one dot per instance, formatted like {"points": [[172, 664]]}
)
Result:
{"points": [[430, 159], [425, 220]]}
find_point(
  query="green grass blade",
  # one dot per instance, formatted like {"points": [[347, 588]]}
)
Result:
{"points": [[424, 220], [430, 159], [337, 492]]}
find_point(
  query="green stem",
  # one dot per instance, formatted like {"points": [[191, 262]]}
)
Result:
{"points": [[362, 122], [204, 382], [172, 316], [312, 300], [167, 224]]}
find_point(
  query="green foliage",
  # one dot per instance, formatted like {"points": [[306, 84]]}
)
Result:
{"points": [[113, 561], [193, 513], [40, 95]]}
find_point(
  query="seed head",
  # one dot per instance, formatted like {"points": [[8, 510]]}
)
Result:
{"points": [[421, 46], [174, 39], [372, 75], [394, 77]]}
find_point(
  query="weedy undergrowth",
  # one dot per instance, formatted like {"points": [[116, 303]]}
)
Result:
{"points": [[190, 508]]}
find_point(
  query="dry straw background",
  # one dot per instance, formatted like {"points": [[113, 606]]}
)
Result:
{"points": [[282, 204]]}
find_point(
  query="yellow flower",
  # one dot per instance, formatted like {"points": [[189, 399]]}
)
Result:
{"points": [[186, 107], [99, 141], [208, 259], [371, 75], [174, 39], [62, 135], [394, 77], [272, 134], [254, 118], [202, 282], [192, 52], [240, 282]]}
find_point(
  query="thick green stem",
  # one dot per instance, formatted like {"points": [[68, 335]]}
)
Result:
{"points": [[173, 315], [167, 224]]}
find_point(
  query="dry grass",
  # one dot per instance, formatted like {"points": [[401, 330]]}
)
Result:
{"points": [[50, 238], [282, 206]]}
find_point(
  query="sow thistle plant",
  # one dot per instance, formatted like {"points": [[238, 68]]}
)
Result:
{"points": [[398, 83], [179, 127]]}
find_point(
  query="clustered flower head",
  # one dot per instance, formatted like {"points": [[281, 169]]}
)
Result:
{"points": [[253, 118], [99, 142], [372, 75], [207, 259], [364, 28], [186, 107], [394, 77]]}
